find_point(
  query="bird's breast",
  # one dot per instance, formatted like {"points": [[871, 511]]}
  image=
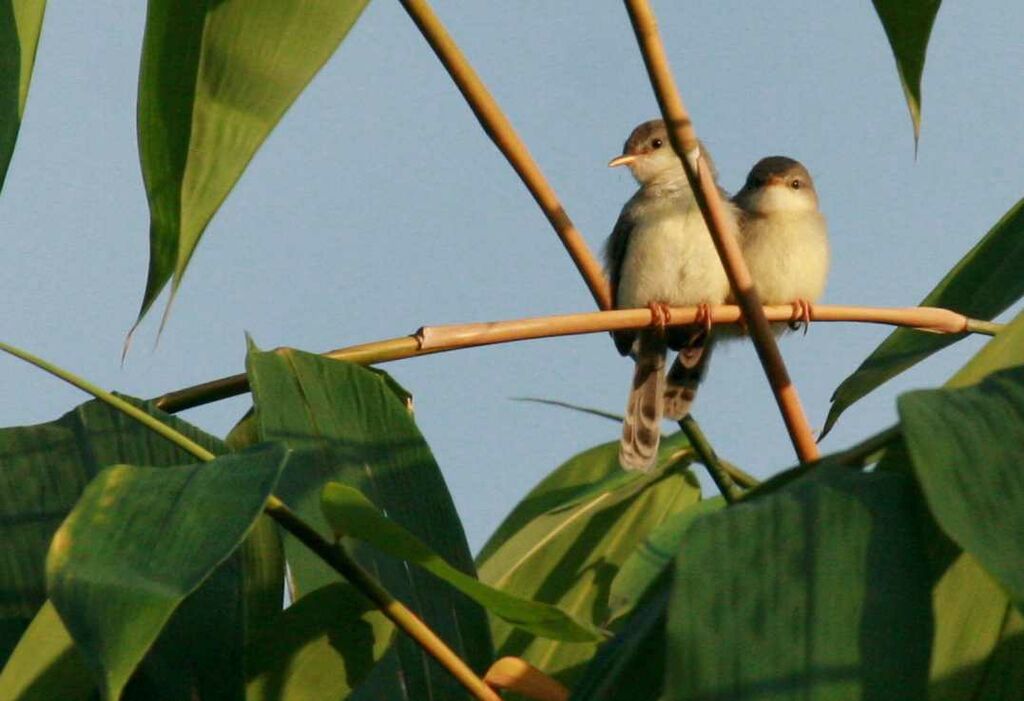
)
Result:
{"points": [[670, 258]]}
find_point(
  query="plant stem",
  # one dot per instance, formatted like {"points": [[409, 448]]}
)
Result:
{"points": [[728, 488], [684, 141], [331, 553], [438, 339], [500, 130], [407, 621]]}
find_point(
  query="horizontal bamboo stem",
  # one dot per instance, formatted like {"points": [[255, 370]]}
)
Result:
{"points": [[438, 339]]}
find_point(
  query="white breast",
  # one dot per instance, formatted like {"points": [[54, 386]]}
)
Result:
{"points": [[670, 257], [787, 255]]}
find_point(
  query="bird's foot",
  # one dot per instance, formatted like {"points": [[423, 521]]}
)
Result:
{"points": [[661, 315], [702, 319], [802, 310]]}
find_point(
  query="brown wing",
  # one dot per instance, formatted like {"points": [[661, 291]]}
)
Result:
{"points": [[614, 254]]}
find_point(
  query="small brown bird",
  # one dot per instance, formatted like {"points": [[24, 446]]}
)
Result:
{"points": [[659, 254], [784, 235]]}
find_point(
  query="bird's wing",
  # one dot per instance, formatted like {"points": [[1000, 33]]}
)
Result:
{"points": [[614, 254]]}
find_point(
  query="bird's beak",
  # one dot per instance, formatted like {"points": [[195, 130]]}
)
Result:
{"points": [[621, 160]]}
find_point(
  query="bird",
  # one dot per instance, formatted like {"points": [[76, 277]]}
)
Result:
{"points": [[659, 254], [784, 239], [784, 235]]}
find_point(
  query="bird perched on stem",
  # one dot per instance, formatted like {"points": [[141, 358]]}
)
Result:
{"points": [[784, 235], [785, 244], [659, 254]]}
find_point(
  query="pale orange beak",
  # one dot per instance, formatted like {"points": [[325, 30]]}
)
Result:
{"points": [[621, 160]]}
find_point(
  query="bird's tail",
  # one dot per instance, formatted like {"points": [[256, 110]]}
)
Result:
{"points": [[641, 429], [684, 377]]}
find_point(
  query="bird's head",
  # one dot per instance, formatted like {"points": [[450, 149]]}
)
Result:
{"points": [[778, 185], [649, 155]]}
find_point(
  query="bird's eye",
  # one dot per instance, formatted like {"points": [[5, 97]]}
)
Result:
{"points": [[656, 143], [795, 183]]}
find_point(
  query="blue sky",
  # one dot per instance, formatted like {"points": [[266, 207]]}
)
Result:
{"points": [[378, 205]]}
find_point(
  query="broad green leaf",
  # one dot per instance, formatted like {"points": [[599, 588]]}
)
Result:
{"points": [[978, 641], [817, 591], [353, 515], [215, 79], [139, 541], [346, 424], [43, 470], [982, 285], [565, 542], [654, 556], [631, 665], [20, 24], [978, 652], [319, 648], [967, 450], [46, 665], [908, 24]]}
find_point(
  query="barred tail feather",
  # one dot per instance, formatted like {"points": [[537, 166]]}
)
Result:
{"points": [[641, 429], [685, 376]]}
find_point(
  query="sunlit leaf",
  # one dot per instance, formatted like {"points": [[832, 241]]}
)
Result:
{"points": [[321, 647], [215, 79], [967, 450], [347, 424], [20, 24], [46, 665], [353, 515], [139, 541], [982, 285], [566, 540], [908, 24]]}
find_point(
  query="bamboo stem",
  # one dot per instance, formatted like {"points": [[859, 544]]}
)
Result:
{"points": [[331, 553], [517, 676], [399, 614], [684, 141], [438, 339], [500, 130]]}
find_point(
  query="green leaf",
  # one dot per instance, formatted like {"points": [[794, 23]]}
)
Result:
{"points": [[43, 470], [654, 556], [908, 24], [321, 647], [565, 542], [139, 541], [817, 591], [215, 79], [46, 665], [347, 424], [982, 285], [978, 652], [352, 514], [20, 24], [631, 665], [967, 450]]}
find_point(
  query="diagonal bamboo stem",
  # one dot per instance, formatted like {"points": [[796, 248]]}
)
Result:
{"points": [[500, 130], [438, 339], [684, 141]]}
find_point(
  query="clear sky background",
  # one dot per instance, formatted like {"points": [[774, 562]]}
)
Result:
{"points": [[378, 205]]}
